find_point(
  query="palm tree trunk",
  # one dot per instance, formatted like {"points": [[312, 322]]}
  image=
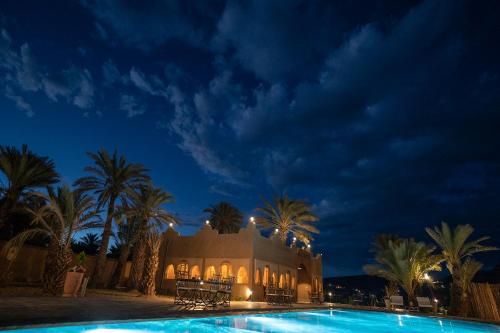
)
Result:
{"points": [[117, 279], [150, 269], [57, 264], [138, 260], [103, 250], [455, 292]]}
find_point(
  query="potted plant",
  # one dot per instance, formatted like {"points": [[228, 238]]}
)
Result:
{"points": [[74, 277]]}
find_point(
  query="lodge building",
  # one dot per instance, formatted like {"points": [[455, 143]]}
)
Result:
{"points": [[253, 260]]}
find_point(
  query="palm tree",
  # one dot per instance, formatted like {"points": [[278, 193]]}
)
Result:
{"points": [[455, 248], [468, 269], [64, 213], [127, 235], [405, 262], [153, 243], [111, 177], [89, 244], [225, 218], [23, 171], [287, 215], [145, 205]]}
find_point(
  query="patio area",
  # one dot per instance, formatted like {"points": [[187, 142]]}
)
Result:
{"points": [[38, 310]]}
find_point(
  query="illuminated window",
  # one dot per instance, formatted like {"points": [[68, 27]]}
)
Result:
{"points": [[225, 270], [281, 283], [287, 280], [265, 276], [183, 270], [274, 280], [209, 272], [293, 282], [169, 272], [257, 276], [195, 272], [242, 276]]}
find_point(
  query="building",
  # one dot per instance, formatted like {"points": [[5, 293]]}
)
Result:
{"points": [[254, 260]]}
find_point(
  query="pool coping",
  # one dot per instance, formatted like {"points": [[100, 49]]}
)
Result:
{"points": [[190, 314]]}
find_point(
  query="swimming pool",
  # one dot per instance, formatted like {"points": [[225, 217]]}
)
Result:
{"points": [[338, 321]]}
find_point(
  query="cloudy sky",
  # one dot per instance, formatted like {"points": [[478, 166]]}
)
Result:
{"points": [[384, 115]]}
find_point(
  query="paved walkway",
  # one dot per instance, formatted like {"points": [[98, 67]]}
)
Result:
{"points": [[20, 311]]}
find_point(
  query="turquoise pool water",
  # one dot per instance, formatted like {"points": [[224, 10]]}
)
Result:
{"points": [[338, 321]]}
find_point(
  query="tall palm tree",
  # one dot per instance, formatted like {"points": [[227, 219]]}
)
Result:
{"points": [[153, 243], [225, 218], [455, 248], [23, 171], [111, 177], [126, 237], [288, 216], [146, 205], [64, 213], [405, 262]]}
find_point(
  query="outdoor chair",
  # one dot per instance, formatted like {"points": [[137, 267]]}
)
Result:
{"points": [[314, 297], [397, 301], [424, 303]]}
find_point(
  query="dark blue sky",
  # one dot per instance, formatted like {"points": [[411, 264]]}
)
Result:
{"points": [[384, 115]]}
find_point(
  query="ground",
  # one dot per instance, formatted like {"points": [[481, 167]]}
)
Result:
{"points": [[102, 306]]}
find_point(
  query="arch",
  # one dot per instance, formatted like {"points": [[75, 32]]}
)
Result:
{"points": [[169, 272], [316, 285], [281, 282], [226, 270], [183, 270], [195, 272], [210, 272], [274, 279], [265, 276], [287, 280], [292, 286], [257, 277], [242, 277], [304, 287]]}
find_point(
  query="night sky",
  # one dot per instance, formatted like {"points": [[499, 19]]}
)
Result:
{"points": [[384, 115]]}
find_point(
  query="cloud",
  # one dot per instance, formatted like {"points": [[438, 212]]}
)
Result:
{"points": [[24, 74], [151, 24], [131, 106]]}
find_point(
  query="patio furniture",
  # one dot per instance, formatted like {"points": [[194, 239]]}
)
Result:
{"points": [[194, 293], [424, 303], [397, 301]]}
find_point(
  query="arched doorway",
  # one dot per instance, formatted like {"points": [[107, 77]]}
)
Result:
{"points": [[303, 285]]}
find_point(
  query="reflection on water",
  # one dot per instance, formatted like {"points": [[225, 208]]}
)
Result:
{"points": [[328, 321]]}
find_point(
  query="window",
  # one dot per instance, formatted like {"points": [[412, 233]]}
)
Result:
{"points": [[293, 282], [183, 270], [195, 272], [209, 272], [225, 270], [287, 280], [274, 280], [265, 277], [257, 277], [242, 276], [169, 272], [281, 283]]}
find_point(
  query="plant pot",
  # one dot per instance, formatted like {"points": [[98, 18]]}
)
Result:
{"points": [[72, 283]]}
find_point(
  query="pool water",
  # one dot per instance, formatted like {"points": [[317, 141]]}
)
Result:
{"points": [[338, 321]]}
